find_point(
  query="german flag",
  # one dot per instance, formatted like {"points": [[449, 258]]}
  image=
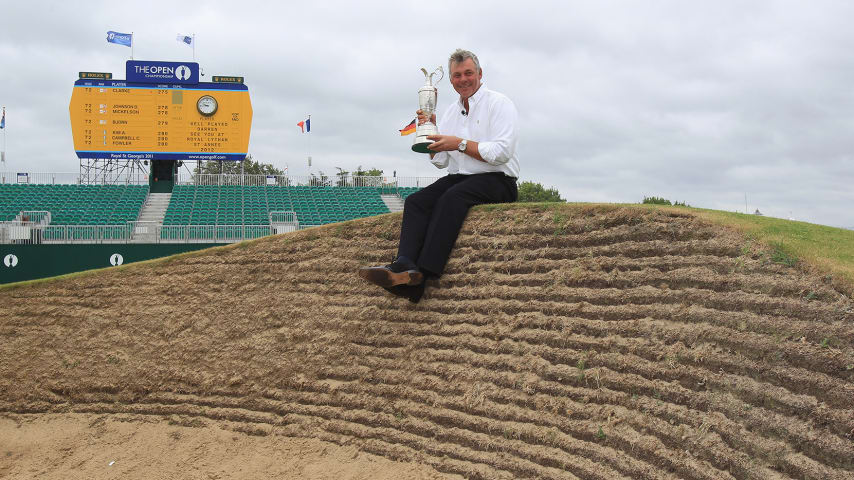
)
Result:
{"points": [[408, 129]]}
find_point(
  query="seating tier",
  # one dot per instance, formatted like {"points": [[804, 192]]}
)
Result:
{"points": [[251, 205], [74, 204]]}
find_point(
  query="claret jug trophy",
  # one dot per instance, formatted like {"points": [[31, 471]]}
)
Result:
{"points": [[427, 104]]}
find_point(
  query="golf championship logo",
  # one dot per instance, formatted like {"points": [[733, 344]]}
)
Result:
{"points": [[116, 259], [150, 71], [183, 72], [10, 261]]}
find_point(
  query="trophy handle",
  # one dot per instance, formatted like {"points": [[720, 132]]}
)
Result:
{"points": [[441, 72], [429, 76]]}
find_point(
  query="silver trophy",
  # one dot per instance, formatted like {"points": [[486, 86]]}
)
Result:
{"points": [[427, 104]]}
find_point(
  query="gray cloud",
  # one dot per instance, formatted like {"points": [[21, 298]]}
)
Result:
{"points": [[701, 102]]}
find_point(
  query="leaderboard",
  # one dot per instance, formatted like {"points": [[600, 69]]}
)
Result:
{"points": [[117, 119]]}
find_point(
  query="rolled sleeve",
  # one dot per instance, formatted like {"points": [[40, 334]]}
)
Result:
{"points": [[499, 149], [441, 159]]}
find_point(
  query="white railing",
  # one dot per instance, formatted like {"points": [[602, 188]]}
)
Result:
{"points": [[72, 178], [26, 228], [17, 232], [283, 222], [143, 231], [134, 232], [210, 233], [85, 234], [283, 217], [34, 217], [41, 178]]}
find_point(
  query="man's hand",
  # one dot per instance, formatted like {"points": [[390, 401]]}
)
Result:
{"points": [[444, 143], [449, 143], [422, 118]]}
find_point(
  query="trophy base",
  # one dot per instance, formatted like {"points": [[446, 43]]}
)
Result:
{"points": [[420, 142], [421, 147]]}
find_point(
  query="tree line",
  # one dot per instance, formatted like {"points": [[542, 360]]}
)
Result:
{"points": [[528, 191]]}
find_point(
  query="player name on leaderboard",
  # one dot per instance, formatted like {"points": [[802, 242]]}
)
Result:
{"points": [[119, 119]]}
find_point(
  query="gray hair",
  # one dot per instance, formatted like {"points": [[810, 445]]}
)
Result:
{"points": [[460, 56]]}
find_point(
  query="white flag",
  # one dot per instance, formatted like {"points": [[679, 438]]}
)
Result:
{"points": [[185, 39]]}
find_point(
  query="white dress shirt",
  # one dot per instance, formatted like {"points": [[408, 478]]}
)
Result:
{"points": [[492, 122]]}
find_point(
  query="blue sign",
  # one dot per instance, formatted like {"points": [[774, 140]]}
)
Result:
{"points": [[150, 71], [235, 157]]}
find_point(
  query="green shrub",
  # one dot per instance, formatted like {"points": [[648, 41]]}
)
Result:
{"points": [[534, 192], [656, 201]]}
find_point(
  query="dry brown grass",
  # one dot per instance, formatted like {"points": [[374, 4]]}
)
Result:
{"points": [[563, 342]]}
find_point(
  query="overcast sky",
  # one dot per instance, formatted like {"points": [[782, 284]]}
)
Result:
{"points": [[695, 101]]}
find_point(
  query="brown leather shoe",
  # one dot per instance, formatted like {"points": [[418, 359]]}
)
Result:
{"points": [[413, 293], [395, 273]]}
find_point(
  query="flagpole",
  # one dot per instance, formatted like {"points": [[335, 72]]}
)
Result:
{"points": [[3, 153], [131, 45], [194, 47], [309, 140]]}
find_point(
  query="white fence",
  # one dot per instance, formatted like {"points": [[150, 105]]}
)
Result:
{"points": [[283, 217], [23, 233], [41, 178], [17, 233], [210, 233], [72, 178]]}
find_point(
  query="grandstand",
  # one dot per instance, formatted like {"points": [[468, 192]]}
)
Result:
{"points": [[74, 204], [201, 208], [229, 205]]}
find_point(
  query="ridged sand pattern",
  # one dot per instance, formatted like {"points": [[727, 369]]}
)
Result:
{"points": [[583, 342]]}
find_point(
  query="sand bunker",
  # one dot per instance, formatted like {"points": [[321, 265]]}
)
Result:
{"points": [[99, 446]]}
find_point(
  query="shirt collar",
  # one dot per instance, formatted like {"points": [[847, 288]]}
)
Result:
{"points": [[474, 98]]}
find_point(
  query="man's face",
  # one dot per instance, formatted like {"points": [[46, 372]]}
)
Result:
{"points": [[465, 77]]}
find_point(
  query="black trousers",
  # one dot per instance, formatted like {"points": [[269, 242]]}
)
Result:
{"points": [[433, 216]]}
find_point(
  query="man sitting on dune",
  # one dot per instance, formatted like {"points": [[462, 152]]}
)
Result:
{"points": [[478, 147]]}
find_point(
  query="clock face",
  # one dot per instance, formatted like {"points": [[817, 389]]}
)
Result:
{"points": [[207, 105]]}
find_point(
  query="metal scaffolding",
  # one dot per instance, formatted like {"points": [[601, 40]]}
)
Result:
{"points": [[113, 171]]}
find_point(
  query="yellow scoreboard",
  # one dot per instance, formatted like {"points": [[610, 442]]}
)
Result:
{"points": [[116, 119]]}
